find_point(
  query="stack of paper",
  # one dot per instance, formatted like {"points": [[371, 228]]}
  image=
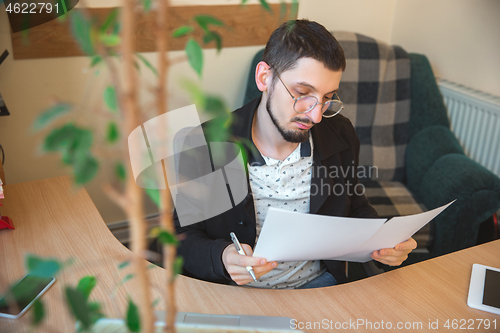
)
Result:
{"points": [[291, 236]]}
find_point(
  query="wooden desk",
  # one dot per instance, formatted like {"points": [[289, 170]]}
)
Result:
{"points": [[53, 219]]}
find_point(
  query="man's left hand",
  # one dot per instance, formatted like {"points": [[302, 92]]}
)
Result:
{"points": [[395, 256]]}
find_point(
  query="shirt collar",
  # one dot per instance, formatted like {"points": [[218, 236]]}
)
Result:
{"points": [[255, 157]]}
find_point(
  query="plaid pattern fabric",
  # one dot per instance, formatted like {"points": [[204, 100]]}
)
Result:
{"points": [[393, 199], [375, 90]]}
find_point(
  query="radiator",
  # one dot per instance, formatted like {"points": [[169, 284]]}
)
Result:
{"points": [[475, 120]]}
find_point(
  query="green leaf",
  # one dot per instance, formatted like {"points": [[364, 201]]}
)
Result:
{"points": [[195, 91], [294, 10], [63, 5], [49, 115], [112, 132], [120, 171], [78, 305], [38, 312], [81, 29], [154, 195], [95, 60], [195, 55], [215, 106], [86, 284], [110, 40], [72, 142], [94, 306], [60, 19], [126, 278], [147, 63], [44, 268], [63, 138], [95, 311], [182, 31], [110, 98], [214, 130], [212, 35], [111, 19], [155, 302], [290, 24], [123, 264], [283, 7], [85, 169], [179, 261], [164, 236], [60, 138], [205, 20], [133, 319], [244, 145], [155, 231], [265, 5], [147, 5]]}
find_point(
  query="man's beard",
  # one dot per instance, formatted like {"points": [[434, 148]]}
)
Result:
{"points": [[295, 136]]}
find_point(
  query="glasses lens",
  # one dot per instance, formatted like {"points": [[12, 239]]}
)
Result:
{"points": [[333, 108], [304, 104]]}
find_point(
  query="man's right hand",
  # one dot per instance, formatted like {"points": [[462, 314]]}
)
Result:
{"points": [[236, 263]]}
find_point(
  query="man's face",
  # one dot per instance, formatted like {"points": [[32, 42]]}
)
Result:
{"points": [[308, 77]]}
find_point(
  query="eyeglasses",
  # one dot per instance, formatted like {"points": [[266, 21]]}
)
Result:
{"points": [[306, 103]]}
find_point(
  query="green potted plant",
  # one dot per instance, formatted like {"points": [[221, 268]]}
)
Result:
{"points": [[109, 44]]}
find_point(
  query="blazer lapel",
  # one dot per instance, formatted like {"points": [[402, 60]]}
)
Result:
{"points": [[327, 142]]}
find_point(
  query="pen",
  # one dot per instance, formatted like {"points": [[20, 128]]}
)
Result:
{"points": [[240, 251]]}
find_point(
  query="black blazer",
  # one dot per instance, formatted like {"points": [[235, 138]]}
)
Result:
{"points": [[336, 146]]}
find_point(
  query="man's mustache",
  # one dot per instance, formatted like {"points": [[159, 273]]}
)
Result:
{"points": [[306, 122]]}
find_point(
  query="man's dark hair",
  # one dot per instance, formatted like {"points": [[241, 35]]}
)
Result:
{"points": [[297, 39]]}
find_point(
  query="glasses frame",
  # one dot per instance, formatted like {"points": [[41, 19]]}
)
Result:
{"points": [[317, 101]]}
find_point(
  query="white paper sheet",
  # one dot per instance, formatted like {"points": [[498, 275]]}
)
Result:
{"points": [[396, 230], [290, 236]]}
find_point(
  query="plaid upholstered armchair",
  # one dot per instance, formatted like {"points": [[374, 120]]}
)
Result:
{"points": [[416, 163]]}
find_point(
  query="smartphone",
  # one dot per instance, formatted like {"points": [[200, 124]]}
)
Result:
{"points": [[484, 289], [22, 295]]}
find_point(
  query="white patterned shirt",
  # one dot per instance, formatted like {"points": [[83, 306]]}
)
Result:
{"points": [[285, 185]]}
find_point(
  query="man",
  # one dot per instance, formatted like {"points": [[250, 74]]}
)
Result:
{"points": [[296, 130]]}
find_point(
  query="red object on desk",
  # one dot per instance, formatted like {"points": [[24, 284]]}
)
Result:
{"points": [[6, 223]]}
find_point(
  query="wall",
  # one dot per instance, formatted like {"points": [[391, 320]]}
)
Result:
{"points": [[28, 86], [461, 38], [372, 18]]}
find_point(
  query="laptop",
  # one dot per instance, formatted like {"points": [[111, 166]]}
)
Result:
{"points": [[207, 323], [253, 322]]}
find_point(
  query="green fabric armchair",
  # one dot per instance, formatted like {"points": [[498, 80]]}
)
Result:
{"points": [[438, 171]]}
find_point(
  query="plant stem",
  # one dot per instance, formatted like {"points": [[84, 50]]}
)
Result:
{"points": [[135, 210], [169, 251]]}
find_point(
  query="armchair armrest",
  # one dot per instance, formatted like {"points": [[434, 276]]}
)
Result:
{"points": [[477, 190], [425, 148]]}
